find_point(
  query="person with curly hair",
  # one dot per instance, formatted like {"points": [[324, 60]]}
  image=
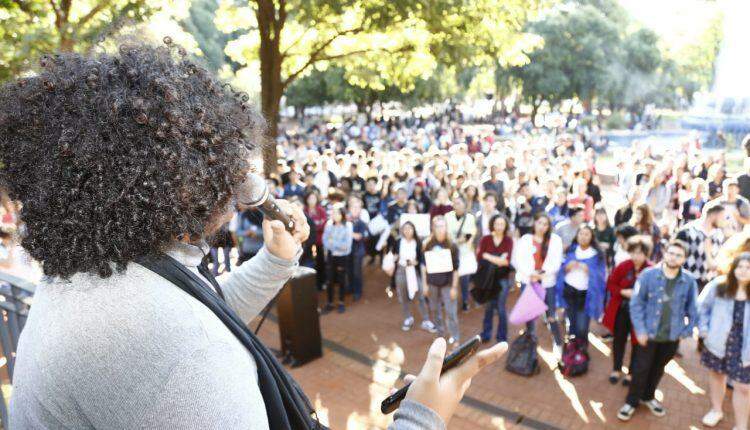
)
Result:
{"points": [[125, 164]]}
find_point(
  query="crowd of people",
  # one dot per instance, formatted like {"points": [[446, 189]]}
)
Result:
{"points": [[435, 204], [654, 250]]}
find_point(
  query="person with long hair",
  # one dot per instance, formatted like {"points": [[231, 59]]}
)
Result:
{"points": [[338, 236], [442, 287], [408, 255], [462, 227], [617, 312], [643, 220], [605, 233], [537, 257], [441, 205], [724, 308], [317, 213], [581, 283], [496, 248]]}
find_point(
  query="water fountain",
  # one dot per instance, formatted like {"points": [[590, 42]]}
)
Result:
{"points": [[726, 109]]}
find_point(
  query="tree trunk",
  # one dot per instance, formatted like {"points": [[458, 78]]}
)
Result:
{"points": [[271, 88], [534, 109]]}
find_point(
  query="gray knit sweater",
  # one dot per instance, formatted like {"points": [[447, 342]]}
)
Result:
{"points": [[134, 351]]}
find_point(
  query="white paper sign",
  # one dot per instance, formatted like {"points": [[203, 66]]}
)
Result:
{"points": [[438, 261], [411, 281], [421, 223]]}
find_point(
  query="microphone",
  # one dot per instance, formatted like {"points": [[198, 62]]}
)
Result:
{"points": [[254, 193]]}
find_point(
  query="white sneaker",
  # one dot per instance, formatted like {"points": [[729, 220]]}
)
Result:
{"points": [[712, 418], [407, 324], [429, 326], [655, 407]]}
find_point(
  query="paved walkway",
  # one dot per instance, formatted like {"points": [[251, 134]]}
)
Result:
{"points": [[365, 353]]}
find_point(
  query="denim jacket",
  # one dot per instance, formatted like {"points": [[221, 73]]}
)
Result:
{"points": [[646, 304], [715, 322]]}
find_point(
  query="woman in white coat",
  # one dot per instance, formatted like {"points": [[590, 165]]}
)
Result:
{"points": [[537, 257]]}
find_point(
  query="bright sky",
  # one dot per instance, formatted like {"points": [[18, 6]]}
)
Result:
{"points": [[676, 21]]}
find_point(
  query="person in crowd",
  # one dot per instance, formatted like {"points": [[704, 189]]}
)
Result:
{"points": [[663, 310], [319, 216], [617, 312], [360, 233], [249, 233], [223, 239], [537, 257], [408, 256], [324, 179], [471, 195], [483, 216], [605, 233], [724, 309], [716, 177], [441, 284], [698, 235], [524, 211], [372, 197], [643, 220], [658, 194], [293, 186], [338, 236], [397, 206], [581, 283], [496, 185], [579, 197], [441, 205], [568, 229], [737, 207], [419, 195], [496, 249], [625, 213], [558, 209], [692, 207], [462, 228], [622, 234]]}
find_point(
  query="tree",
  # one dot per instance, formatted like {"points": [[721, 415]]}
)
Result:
{"points": [[579, 44], [29, 28], [378, 43]]}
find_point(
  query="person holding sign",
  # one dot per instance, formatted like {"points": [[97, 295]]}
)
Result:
{"points": [[440, 273], [407, 252]]}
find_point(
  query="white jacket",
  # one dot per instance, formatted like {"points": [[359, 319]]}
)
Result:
{"points": [[522, 259]]}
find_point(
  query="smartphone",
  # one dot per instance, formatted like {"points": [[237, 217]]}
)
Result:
{"points": [[455, 358]]}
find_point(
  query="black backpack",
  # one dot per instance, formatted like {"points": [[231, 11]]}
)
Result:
{"points": [[522, 356]]}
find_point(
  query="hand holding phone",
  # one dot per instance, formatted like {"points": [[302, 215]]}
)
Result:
{"points": [[440, 391]]}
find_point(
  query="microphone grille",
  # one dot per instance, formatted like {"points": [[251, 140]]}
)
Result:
{"points": [[252, 191]]}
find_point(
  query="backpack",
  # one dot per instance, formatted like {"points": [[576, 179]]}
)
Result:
{"points": [[522, 356], [575, 358]]}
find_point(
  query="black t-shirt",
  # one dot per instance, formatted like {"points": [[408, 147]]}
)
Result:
{"points": [[744, 181], [372, 203]]}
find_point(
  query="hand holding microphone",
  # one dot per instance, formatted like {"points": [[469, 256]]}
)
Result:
{"points": [[284, 225]]}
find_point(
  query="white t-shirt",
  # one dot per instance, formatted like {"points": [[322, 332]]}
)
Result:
{"points": [[578, 278], [407, 250]]}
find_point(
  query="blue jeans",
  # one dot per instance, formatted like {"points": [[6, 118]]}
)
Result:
{"points": [[551, 318], [356, 275], [464, 282], [498, 303], [575, 310], [215, 260]]}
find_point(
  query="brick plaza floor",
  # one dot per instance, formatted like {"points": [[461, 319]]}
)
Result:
{"points": [[365, 352]]}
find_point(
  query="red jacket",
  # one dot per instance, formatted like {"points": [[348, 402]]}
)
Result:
{"points": [[623, 277]]}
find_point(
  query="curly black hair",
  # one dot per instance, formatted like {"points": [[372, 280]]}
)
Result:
{"points": [[115, 155]]}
